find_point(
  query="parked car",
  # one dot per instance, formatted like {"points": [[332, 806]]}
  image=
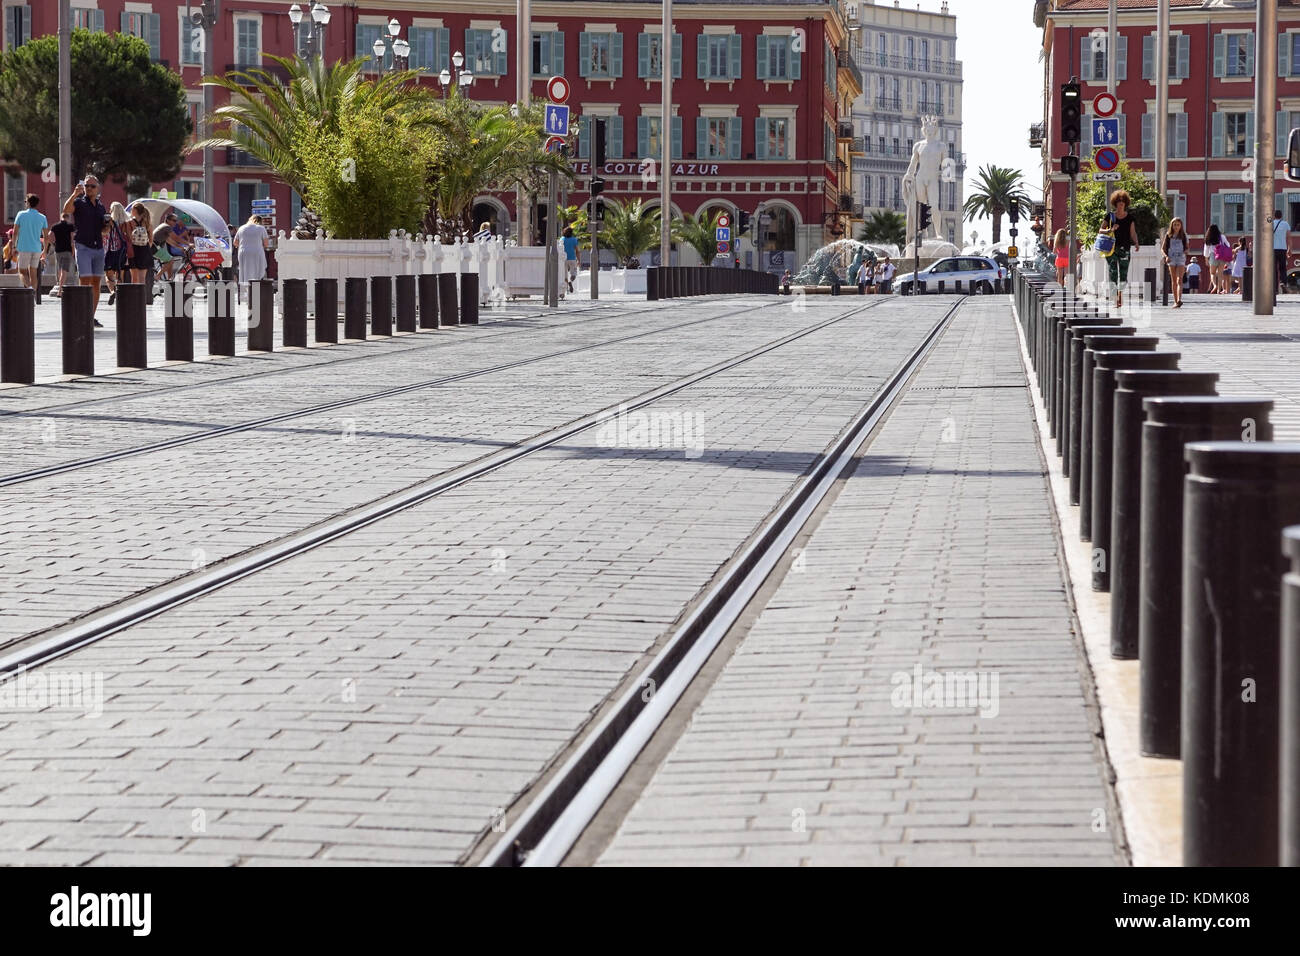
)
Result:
{"points": [[982, 271]]}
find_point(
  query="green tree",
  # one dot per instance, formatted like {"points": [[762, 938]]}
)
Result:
{"points": [[885, 226], [1150, 211], [129, 114], [629, 230], [701, 233], [360, 175], [995, 191]]}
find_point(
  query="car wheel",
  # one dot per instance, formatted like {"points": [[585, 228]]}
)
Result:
{"points": [[984, 288]]}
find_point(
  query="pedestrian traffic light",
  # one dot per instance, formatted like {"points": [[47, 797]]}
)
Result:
{"points": [[599, 141], [925, 217], [596, 209], [1071, 112], [1070, 165], [597, 185], [742, 221]]}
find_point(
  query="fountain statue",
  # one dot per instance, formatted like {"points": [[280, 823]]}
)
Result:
{"points": [[840, 260], [921, 184]]}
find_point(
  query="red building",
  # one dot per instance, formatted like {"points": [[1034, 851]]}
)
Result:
{"points": [[1211, 82], [762, 94]]}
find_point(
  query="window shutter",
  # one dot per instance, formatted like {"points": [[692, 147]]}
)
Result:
{"points": [[584, 54], [616, 54], [614, 138], [295, 207], [1220, 54], [677, 56], [760, 63], [1148, 57], [1180, 137], [1250, 219], [1121, 65], [796, 63], [232, 211], [1181, 69], [643, 55], [1250, 54], [1284, 56], [126, 24], [733, 138], [1148, 134], [1123, 130], [676, 128], [1216, 212], [97, 20], [1250, 133], [701, 137], [760, 138], [702, 55], [1085, 59], [733, 55], [1282, 131], [1216, 148], [584, 142], [500, 58], [1085, 134], [643, 135]]}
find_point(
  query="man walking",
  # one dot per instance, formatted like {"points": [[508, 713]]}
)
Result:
{"points": [[64, 261], [88, 217], [32, 240], [1281, 232]]}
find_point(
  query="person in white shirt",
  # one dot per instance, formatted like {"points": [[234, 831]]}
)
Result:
{"points": [[1193, 275], [1281, 232], [885, 276]]}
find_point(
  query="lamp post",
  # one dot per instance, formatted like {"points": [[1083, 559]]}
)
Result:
{"points": [[461, 77], [401, 49], [205, 19], [318, 17]]}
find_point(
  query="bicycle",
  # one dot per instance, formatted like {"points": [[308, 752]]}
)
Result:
{"points": [[190, 270]]}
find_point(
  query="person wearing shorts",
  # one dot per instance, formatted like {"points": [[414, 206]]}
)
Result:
{"points": [[1193, 276], [88, 215], [32, 241]]}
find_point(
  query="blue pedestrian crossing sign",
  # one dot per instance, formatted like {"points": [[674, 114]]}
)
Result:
{"points": [[557, 119], [724, 234], [1105, 132]]}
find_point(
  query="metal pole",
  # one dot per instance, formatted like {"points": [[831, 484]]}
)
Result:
{"points": [[594, 225], [524, 71], [666, 137], [1070, 281], [1112, 51], [552, 279], [1265, 136], [66, 175], [1162, 96], [209, 14]]}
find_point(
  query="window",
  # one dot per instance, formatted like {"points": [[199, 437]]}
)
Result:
{"points": [[189, 189], [649, 56], [1288, 49], [882, 51], [613, 136], [649, 144], [883, 200], [911, 53], [832, 71], [1234, 54], [429, 48], [1236, 138], [92, 20], [485, 52], [898, 190], [1234, 214], [1175, 136], [1179, 56], [367, 34], [771, 138], [146, 27], [547, 55], [15, 195], [881, 144], [925, 56], [248, 42], [18, 25], [191, 41], [717, 137], [1092, 57], [596, 54], [777, 60], [718, 57]]}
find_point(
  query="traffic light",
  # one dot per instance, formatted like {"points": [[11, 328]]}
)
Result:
{"points": [[1013, 212], [598, 153], [596, 209], [925, 217], [1071, 112], [742, 221], [597, 185], [1070, 165]]}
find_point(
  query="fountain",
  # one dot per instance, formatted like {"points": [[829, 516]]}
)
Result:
{"points": [[837, 262]]}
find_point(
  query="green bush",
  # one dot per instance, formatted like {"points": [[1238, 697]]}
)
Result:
{"points": [[1150, 212]]}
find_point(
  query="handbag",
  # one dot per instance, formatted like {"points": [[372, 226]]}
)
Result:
{"points": [[1105, 244]]}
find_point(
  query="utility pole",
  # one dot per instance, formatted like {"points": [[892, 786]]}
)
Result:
{"points": [[205, 19], [1162, 97], [65, 173], [1265, 276], [523, 89], [666, 137], [552, 263], [1112, 57]]}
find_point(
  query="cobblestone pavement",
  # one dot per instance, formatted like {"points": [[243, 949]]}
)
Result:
{"points": [[382, 698], [938, 558]]}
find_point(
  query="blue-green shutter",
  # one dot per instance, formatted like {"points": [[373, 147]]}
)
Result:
{"points": [[760, 138], [643, 55], [232, 210], [443, 58], [677, 56], [614, 138], [733, 138], [1148, 57], [1121, 65], [1250, 54], [1085, 59], [557, 53], [1180, 136], [643, 136], [1282, 131], [1250, 133], [1220, 54], [676, 130], [616, 54], [1184, 53], [733, 56], [760, 65], [1216, 213], [1148, 135], [796, 63], [701, 137], [1122, 124], [1216, 126], [702, 55], [97, 21], [584, 144], [584, 54], [500, 58], [1284, 56], [295, 210]]}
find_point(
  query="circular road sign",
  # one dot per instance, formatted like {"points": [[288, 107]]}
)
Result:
{"points": [[557, 88], [554, 143], [724, 221], [1106, 158], [724, 248], [1104, 104]]}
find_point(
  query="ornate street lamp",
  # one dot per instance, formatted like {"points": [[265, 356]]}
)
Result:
{"points": [[317, 18], [461, 77], [400, 47]]}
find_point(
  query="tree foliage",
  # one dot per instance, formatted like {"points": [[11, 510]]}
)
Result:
{"points": [[130, 117], [629, 230], [700, 233], [885, 226], [1150, 211], [995, 191]]}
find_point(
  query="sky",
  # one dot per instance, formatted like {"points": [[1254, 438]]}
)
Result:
{"points": [[998, 45]]}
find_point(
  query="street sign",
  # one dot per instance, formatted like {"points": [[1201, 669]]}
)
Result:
{"points": [[723, 247], [1012, 252], [1110, 177], [724, 234], [557, 119], [554, 143], [1106, 158], [557, 88], [724, 221], [1105, 132], [1104, 104]]}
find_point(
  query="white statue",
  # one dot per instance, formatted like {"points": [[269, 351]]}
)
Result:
{"points": [[921, 182]]}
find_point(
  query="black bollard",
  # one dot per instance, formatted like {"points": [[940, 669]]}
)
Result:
{"points": [[1290, 843], [1248, 284], [405, 299], [1059, 378], [1172, 422], [294, 307], [447, 312], [427, 283], [327, 310], [1072, 352], [381, 305], [221, 317], [1240, 495], [1131, 387], [18, 335], [178, 320], [354, 308], [469, 298], [652, 284], [78, 330], [132, 326], [261, 316]]}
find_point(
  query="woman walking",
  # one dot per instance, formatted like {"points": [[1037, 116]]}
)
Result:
{"points": [[1126, 241], [250, 246], [1061, 249], [1217, 256], [1174, 248], [117, 253], [140, 230]]}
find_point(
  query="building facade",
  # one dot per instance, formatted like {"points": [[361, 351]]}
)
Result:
{"points": [[1211, 120], [910, 69], [762, 93]]}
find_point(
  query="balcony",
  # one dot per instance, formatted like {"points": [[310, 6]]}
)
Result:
{"points": [[886, 61], [930, 107], [270, 66], [237, 157], [858, 146], [889, 104], [845, 203], [857, 210], [844, 130], [845, 59]]}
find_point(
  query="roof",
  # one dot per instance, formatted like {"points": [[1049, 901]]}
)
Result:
{"points": [[1103, 5]]}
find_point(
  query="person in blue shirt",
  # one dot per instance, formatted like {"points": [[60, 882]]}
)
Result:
{"points": [[32, 242], [570, 257]]}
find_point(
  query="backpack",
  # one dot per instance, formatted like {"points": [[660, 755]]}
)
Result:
{"points": [[1223, 251]]}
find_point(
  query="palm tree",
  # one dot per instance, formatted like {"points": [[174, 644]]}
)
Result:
{"points": [[997, 190], [701, 233], [885, 226], [629, 230]]}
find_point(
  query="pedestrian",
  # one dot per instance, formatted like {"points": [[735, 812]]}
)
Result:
{"points": [[1061, 249], [251, 244], [1281, 232], [64, 260], [117, 254], [570, 257], [141, 260], [10, 253], [31, 239], [1217, 255], [88, 214], [1174, 248], [1126, 241], [885, 277], [1240, 259], [1193, 276]]}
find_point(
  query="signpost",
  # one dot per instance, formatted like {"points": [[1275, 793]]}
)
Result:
{"points": [[557, 88], [557, 125], [723, 236], [1104, 104], [1106, 177], [1106, 158], [557, 119]]}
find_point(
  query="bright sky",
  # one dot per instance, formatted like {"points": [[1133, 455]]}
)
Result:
{"points": [[1002, 90]]}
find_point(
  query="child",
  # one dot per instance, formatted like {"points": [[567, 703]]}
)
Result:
{"points": [[1239, 263], [1193, 275]]}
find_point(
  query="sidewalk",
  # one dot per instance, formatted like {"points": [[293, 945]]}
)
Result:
{"points": [[937, 562]]}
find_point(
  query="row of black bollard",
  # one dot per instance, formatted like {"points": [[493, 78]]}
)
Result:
{"points": [[1183, 495], [672, 282]]}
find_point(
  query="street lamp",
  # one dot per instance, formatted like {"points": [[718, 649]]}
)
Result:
{"points": [[460, 78], [401, 49], [205, 19], [319, 18]]}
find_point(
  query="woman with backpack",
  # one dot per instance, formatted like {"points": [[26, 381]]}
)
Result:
{"points": [[117, 253], [140, 232], [1174, 248], [1217, 256]]}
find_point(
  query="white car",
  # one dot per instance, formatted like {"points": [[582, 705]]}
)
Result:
{"points": [[976, 273]]}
